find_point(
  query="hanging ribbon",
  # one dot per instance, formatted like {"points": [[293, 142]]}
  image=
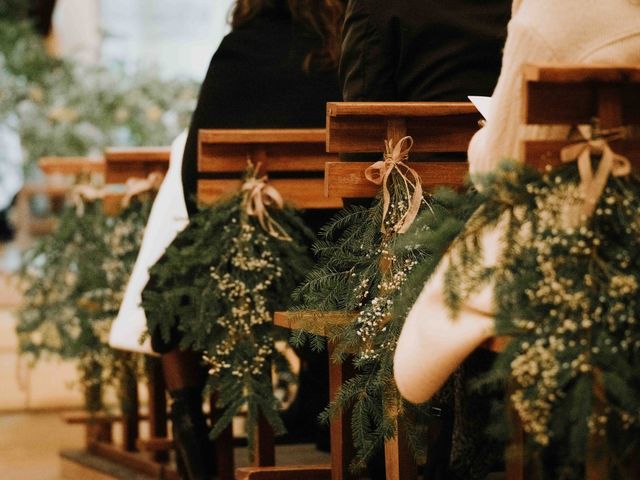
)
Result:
{"points": [[132, 188], [259, 196], [138, 186], [83, 193], [379, 173], [592, 186]]}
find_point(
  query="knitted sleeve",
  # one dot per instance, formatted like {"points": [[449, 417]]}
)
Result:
{"points": [[500, 138]]}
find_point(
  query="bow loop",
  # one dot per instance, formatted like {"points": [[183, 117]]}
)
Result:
{"points": [[259, 196], [611, 163], [394, 158]]}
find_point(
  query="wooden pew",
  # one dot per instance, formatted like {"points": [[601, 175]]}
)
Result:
{"points": [[362, 128], [61, 174], [294, 159], [576, 95], [119, 165]]}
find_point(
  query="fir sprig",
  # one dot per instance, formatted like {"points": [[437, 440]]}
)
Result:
{"points": [[360, 272], [73, 283]]}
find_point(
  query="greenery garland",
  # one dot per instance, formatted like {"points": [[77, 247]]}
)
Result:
{"points": [[216, 288], [360, 272], [566, 290], [73, 283]]}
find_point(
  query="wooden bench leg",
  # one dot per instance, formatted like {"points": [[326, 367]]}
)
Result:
{"points": [[157, 406], [130, 410], [514, 453], [342, 451], [223, 448], [399, 461], [265, 453]]}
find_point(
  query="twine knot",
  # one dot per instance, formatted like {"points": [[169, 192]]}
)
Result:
{"points": [[259, 196], [394, 159], [592, 186]]}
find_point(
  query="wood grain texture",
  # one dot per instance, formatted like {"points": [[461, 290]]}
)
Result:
{"points": [[572, 95], [347, 179], [399, 109], [546, 153], [293, 472], [316, 322], [124, 163], [582, 73], [71, 165], [304, 193], [281, 135], [366, 133]]}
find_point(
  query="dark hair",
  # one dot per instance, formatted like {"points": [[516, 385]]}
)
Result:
{"points": [[323, 17]]}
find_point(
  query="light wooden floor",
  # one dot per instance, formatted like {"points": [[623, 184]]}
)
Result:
{"points": [[30, 443]]}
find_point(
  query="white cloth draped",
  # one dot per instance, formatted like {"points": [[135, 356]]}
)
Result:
{"points": [[168, 217]]}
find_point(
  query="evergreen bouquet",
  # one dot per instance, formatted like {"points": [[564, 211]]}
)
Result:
{"points": [[566, 291], [73, 283], [216, 288], [360, 273]]}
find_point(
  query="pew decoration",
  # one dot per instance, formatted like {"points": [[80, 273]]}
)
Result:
{"points": [[223, 277], [73, 283], [566, 290], [359, 273]]}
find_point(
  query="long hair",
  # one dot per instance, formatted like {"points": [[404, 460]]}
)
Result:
{"points": [[323, 17]]}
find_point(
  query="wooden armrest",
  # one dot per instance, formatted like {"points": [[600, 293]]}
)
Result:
{"points": [[309, 320]]}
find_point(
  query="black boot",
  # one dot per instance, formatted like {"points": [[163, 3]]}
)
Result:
{"points": [[194, 455]]}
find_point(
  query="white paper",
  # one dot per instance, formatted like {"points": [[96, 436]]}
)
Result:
{"points": [[482, 104]]}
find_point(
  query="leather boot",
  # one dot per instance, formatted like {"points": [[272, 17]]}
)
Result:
{"points": [[194, 456]]}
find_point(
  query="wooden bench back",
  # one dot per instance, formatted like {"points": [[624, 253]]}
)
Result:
{"points": [[294, 159], [72, 166], [123, 163], [362, 127], [575, 95]]}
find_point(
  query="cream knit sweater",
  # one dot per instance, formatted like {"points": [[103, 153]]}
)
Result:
{"points": [[547, 32], [432, 343]]}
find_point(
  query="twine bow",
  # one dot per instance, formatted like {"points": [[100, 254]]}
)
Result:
{"points": [[85, 193], [592, 186], [132, 188], [379, 173], [259, 196], [138, 186]]}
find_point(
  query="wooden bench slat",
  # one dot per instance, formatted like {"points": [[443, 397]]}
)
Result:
{"points": [[366, 134], [571, 95], [541, 153], [284, 157], [304, 193], [308, 320], [582, 73], [399, 109], [71, 165], [139, 162], [264, 135], [292, 472], [347, 179]]}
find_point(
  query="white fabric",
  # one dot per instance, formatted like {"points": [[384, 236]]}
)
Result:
{"points": [[168, 217], [76, 24], [11, 177]]}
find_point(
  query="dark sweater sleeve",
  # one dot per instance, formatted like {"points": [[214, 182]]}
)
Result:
{"points": [[369, 55]]}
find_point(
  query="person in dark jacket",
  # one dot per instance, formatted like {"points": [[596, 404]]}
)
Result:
{"points": [[425, 50], [422, 50], [277, 68]]}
